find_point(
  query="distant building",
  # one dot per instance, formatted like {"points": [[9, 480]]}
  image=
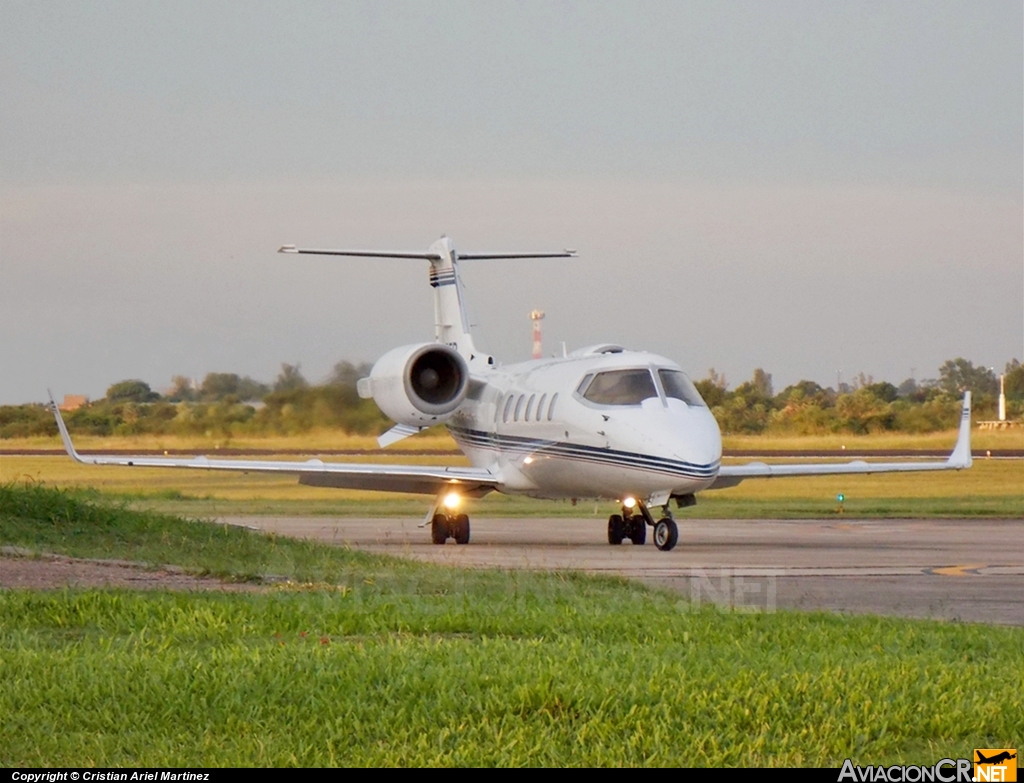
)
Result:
{"points": [[72, 402]]}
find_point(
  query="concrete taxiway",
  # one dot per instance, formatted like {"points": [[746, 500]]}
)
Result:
{"points": [[955, 569]]}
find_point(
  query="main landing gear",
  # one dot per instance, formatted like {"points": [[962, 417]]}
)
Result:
{"points": [[632, 524], [443, 527], [622, 527]]}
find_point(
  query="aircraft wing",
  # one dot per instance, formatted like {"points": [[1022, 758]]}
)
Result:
{"points": [[960, 458], [424, 479]]}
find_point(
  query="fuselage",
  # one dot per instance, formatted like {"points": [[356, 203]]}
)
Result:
{"points": [[599, 423]]}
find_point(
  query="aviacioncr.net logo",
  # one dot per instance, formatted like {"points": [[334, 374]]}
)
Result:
{"points": [[943, 771]]}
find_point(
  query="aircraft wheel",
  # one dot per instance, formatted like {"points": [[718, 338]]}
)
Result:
{"points": [[638, 531], [616, 531], [460, 529], [666, 534], [439, 529]]}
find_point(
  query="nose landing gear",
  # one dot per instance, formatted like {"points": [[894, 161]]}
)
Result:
{"points": [[666, 534]]}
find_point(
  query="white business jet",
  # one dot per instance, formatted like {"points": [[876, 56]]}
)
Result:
{"points": [[602, 422]]}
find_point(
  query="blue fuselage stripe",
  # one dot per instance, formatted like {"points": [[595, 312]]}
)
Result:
{"points": [[576, 451]]}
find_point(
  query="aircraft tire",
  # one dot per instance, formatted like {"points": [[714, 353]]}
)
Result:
{"points": [[616, 531], [666, 534], [439, 529], [460, 529], [638, 531]]}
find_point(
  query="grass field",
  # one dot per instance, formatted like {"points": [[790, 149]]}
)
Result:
{"points": [[368, 660], [992, 488]]}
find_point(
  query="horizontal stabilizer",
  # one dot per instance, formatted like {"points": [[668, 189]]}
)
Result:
{"points": [[358, 253], [495, 256], [424, 256]]}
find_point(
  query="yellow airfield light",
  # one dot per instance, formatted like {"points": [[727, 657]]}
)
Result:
{"points": [[452, 500]]}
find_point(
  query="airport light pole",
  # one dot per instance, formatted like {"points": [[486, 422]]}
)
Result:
{"points": [[1002, 397], [537, 316]]}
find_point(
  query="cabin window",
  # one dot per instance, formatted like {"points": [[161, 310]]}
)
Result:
{"points": [[540, 405], [551, 407], [678, 386], [519, 406], [621, 387], [508, 409], [529, 407]]}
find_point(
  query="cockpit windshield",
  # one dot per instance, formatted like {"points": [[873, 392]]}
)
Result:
{"points": [[677, 385], [620, 387]]}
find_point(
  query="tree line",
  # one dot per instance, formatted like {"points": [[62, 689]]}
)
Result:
{"points": [[226, 404], [863, 405], [221, 406]]}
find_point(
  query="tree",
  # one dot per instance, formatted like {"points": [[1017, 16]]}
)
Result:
{"points": [[762, 381], [717, 380], [908, 388], [346, 373], [802, 390], [249, 389], [131, 391], [1014, 380], [883, 390], [712, 388], [290, 379], [181, 389], [959, 375], [218, 385]]}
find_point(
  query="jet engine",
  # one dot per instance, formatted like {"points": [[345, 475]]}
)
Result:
{"points": [[418, 385]]}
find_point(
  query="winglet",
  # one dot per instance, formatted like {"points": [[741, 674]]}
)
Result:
{"points": [[64, 435], [961, 456]]}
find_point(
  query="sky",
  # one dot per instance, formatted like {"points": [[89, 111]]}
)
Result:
{"points": [[809, 188]]}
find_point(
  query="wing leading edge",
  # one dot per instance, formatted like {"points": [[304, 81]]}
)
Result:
{"points": [[421, 479], [959, 459]]}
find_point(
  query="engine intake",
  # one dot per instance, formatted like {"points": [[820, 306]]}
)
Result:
{"points": [[436, 378], [418, 384]]}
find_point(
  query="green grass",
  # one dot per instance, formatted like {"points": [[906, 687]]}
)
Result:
{"points": [[382, 662]]}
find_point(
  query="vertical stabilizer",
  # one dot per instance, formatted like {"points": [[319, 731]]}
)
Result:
{"points": [[451, 325]]}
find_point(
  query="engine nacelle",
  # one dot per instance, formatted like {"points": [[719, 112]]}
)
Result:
{"points": [[418, 385]]}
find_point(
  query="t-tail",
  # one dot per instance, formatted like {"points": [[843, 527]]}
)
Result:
{"points": [[451, 324]]}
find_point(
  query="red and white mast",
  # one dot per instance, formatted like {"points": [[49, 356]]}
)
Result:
{"points": [[537, 316]]}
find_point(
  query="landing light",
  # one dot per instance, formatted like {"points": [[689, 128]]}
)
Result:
{"points": [[452, 500], [629, 502], [527, 460]]}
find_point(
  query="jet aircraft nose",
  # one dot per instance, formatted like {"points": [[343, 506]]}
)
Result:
{"points": [[687, 433]]}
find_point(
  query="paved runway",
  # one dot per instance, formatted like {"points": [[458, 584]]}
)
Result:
{"points": [[969, 570]]}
